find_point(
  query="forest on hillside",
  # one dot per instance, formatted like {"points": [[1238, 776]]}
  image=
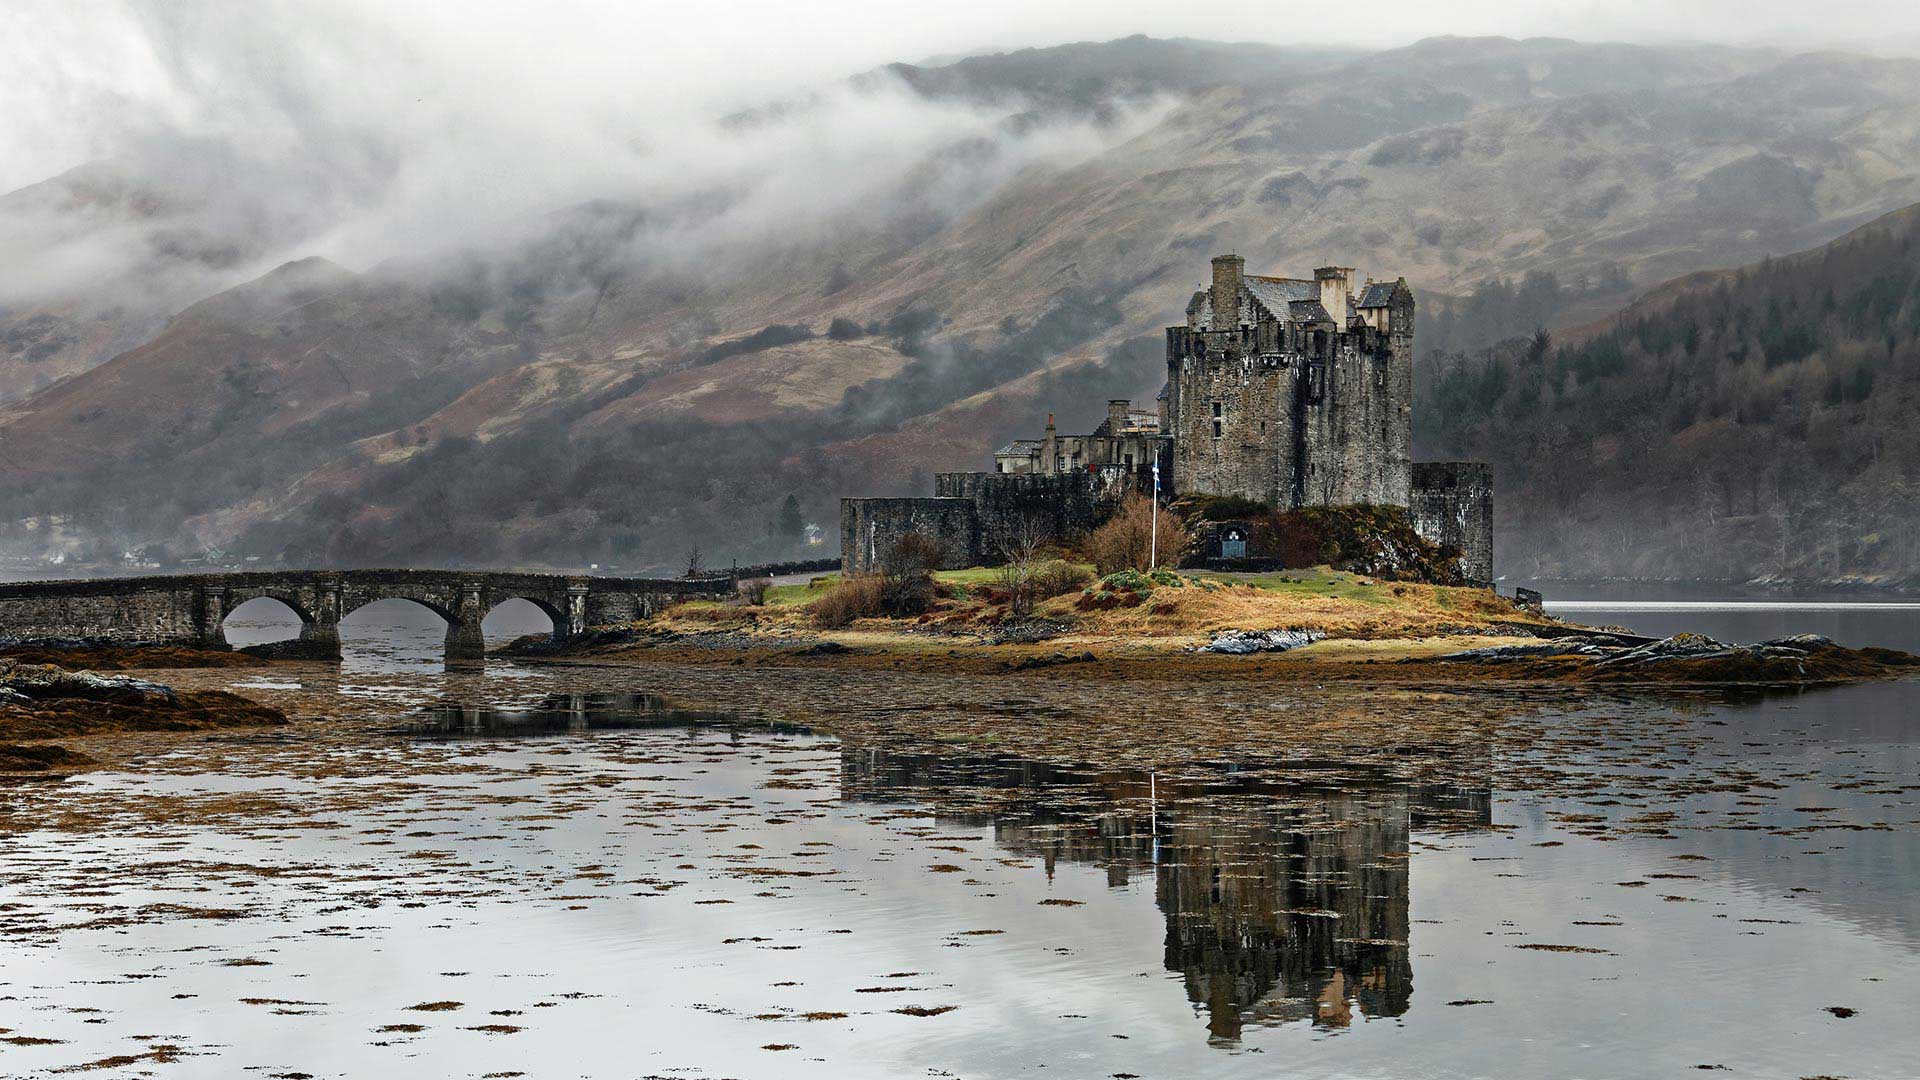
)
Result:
{"points": [[1750, 424]]}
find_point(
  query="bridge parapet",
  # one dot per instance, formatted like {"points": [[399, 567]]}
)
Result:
{"points": [[190, 608]]}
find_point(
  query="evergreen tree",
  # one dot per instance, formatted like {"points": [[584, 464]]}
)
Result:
{"points": [[789, 527]]}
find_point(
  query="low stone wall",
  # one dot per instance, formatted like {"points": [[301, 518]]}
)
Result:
{"points": [[801, 566], [1452, 504]]}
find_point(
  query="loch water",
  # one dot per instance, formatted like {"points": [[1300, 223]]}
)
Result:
{"points": [[520, 874]]}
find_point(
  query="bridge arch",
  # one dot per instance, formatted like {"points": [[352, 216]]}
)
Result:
{"points": [[251, 620], [293, 602], [366, 602], [516, 615]]}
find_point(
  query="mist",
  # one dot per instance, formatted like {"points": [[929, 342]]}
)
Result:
{"points": [[215, 145], [359, 130]]}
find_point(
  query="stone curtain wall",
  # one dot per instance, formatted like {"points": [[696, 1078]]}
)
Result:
{"points": [[1059, 504], [1452, 503], [972, 514], [870, 527]]}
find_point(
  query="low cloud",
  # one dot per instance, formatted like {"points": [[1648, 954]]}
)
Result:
{"points": [[219, 142]]}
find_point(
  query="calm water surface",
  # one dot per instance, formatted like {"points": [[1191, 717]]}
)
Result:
{"points": [[614, 884]]}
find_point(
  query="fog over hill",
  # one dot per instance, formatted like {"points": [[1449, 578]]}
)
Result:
{"points": [[840, 289]]}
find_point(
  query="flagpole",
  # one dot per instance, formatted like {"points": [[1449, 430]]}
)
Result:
{"points": [[1153, 551]]}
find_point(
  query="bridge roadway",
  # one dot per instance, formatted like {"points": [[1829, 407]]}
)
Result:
{"points": [[188, 609]]}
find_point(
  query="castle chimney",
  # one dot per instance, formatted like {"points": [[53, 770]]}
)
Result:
{"points": [[1227, 271], [1335, 282], [1117, 410], [1048, 447]]}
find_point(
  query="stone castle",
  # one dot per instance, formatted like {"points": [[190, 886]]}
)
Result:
{"points": [[1290, 392]]}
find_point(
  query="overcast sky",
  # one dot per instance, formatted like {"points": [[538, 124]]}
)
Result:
{"points": [[83, 78], [366, 129]]}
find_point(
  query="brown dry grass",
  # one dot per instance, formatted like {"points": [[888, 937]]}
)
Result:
{"points": [[1342, 605], [1394, 610]]}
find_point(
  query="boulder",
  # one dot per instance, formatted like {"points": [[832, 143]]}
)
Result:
{"points": [[1245, 642]]}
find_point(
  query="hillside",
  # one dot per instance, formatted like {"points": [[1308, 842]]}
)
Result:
{"points": [[101, 257], [623, 379], [1755, 423]]}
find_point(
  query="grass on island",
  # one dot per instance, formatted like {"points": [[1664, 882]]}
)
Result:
{"points": [[1317, 581], [1167, 604]]}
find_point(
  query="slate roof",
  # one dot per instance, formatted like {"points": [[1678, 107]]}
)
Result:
{"points": [[1378, 294], [1308, 311], [1275, 293], [1020, 448]]}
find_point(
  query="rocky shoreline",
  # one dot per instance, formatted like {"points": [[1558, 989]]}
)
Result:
{"points": [[1800, 658], [1558, 655], [42, 702]]}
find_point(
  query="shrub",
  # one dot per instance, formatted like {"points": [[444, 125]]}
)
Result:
{"points": [[753, 590], [857, 597], [906, 574], [1057, 577], [1126, 541], [1122, 588], [1378, 541]]}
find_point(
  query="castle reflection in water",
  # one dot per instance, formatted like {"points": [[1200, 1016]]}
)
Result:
{"points": [[1285, 891]]}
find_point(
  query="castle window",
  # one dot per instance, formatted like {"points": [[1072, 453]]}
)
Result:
{"points": [[1218, 419]]}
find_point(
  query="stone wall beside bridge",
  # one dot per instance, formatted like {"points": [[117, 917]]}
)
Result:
{"points": [[188, 609]]}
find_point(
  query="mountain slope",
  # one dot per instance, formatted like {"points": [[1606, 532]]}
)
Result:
{"points": [[101, 257], [594, 393], [1755, 423]]}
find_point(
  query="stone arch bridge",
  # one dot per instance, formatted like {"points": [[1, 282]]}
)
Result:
{"points": [[188, 609]]}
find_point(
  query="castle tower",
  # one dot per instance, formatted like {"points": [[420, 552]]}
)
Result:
{"points": [[1293, 391]]}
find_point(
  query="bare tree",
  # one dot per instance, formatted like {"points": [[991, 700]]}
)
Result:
{"points": [[906, 574], [1021, 544]]}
